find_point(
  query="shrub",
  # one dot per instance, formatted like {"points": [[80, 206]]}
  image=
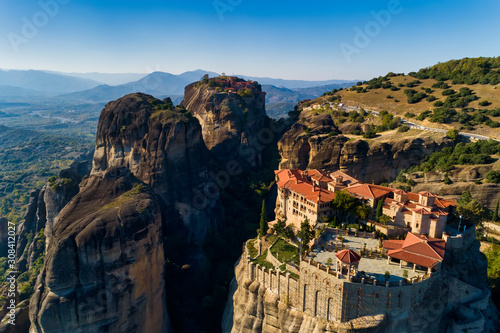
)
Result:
{"points": [[493, 177], [403, 128], [431, 98], [484, 103], [370, 134], [440, 85], [409, 115], [448, 92]]}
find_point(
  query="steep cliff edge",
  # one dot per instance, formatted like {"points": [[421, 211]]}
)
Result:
{"points": [[231, 112], [313, 142], [162, 146], [104, 268]]}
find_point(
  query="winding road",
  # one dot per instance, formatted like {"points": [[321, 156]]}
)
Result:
{"points": [[416, 126]]}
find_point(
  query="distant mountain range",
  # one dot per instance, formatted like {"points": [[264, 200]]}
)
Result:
{"points": [[282, 95], [40, 82]]}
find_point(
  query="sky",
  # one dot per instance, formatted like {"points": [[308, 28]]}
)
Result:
{"points": [[308, 40]]}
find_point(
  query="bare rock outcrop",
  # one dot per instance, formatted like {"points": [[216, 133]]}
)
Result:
{"points": [[231, 116], [313, 143], [162, 146], [104, 268]]}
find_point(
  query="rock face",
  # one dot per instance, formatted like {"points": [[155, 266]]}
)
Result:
{"points": [[313, 143], [104, 268], [164, 148], [43, 207], [230, 119], [463, 178]]}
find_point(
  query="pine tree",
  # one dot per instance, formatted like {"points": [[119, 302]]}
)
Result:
{"points": [[495, 213], [263, 219]]}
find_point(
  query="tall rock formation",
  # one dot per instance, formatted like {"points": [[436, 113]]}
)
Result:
{"points": [[104, 268], [313, 143], [231, 112], [163, 147]]}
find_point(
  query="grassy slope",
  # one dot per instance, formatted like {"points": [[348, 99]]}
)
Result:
{"points": [[376, 100]]}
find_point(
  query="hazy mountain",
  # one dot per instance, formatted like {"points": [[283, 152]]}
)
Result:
{"points": [[294, 84], [158, 84], [48, 83], [111, 79], [9, 91]]}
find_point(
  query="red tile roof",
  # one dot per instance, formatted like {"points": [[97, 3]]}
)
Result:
{"points": [[369, 191], [442, 203], [319, 176], [393, 244], [422, 211], [417, 249], [427, 194], [296, 181], [348, 256], [346, 179], [413, 196]]}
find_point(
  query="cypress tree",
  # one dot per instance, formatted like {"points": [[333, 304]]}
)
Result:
{"points": [[263, 219], [378, 212]]}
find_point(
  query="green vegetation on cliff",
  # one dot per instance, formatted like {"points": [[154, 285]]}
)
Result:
{"points": [[462, 153]]}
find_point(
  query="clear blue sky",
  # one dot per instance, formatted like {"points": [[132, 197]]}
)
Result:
{"points": [[281, 39]]}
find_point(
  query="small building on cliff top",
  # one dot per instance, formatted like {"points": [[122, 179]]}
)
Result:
{"points": [[418, 250], [309, 193]]}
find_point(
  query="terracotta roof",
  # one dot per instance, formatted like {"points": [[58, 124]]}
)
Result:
{"points": [[346, 179], [393, 244], [319, 175], [413, 196], [427, 194], [417, 249], [296, 181], [399, 191], [442, 203], [422, 211], [348, 256], [369, 191], [413, 258]]}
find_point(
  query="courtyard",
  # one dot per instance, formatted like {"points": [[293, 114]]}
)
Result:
{"points": [[374, 267]]}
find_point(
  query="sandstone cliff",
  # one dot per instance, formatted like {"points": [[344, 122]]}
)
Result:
{"points": [[312, 142], [463, 178], [163, 147], [103, 270], [231, 116]]}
